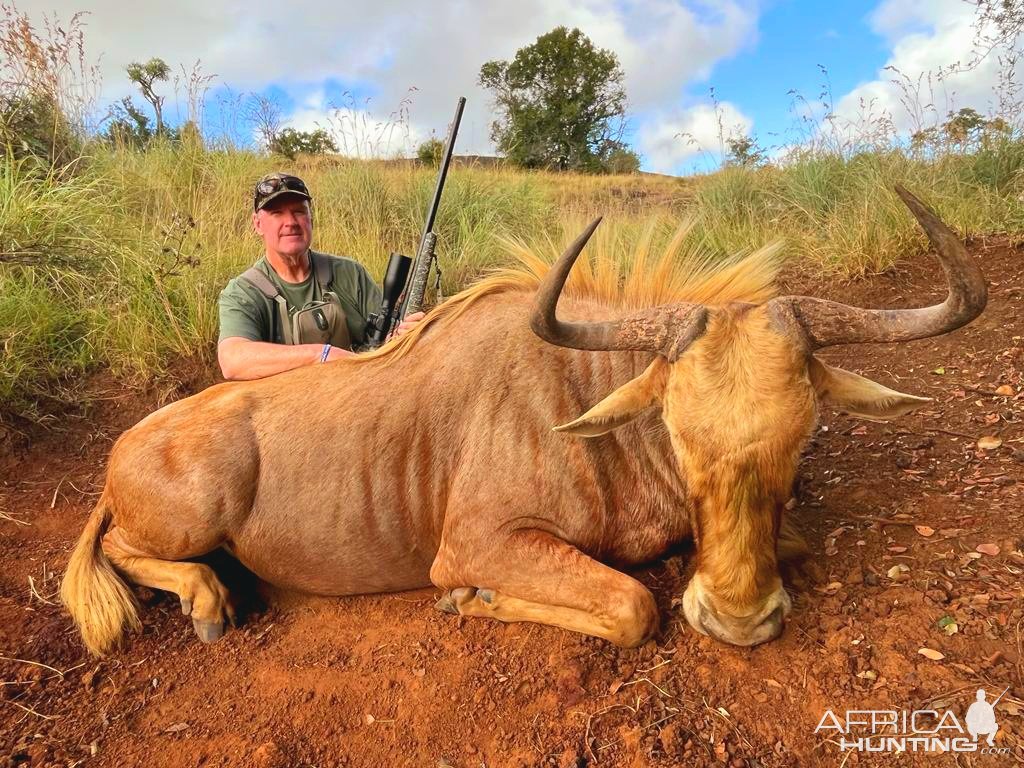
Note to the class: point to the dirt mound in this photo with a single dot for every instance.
(916, 535)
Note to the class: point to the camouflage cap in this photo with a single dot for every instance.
(276, 185)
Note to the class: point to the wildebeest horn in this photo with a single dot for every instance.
(666, 330)
(825, 323)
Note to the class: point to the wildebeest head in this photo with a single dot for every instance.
(739, 386)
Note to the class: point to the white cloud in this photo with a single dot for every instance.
(357, 132)
(926, 37)
(395, 45)
(671, 139)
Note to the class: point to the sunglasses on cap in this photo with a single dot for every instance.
(276, 185)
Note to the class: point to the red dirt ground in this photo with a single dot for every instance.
(389, 681)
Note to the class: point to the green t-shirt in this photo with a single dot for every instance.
(246, 312)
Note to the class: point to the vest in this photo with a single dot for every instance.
(319, 322)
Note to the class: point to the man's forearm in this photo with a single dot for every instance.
(241, 359)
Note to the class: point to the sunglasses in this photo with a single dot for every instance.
(290, 183)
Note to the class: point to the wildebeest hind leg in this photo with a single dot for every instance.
(535, 576)
(202, 595)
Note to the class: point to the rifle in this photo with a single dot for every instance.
(402, 295)
(1000, 697)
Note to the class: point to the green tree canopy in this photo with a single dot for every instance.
(291, 143)
(745, 152)
(431, 151)
(561, 103)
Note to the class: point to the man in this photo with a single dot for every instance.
(295, 306)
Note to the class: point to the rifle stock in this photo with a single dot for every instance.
(420, 273)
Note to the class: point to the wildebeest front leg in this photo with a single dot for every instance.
(791, 544)
(535, 576)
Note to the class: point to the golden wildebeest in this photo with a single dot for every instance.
(397, 470)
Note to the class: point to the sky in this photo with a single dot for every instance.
(383, 75)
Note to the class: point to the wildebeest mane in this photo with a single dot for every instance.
(682, 271)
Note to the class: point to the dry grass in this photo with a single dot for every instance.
(118, 260)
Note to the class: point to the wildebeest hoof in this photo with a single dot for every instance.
(446, 604)
(487, 595)
(208, 631)
(453, 598)
(186, 606)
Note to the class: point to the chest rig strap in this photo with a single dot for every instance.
(321, 272)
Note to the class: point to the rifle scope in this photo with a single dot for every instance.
(380, 324)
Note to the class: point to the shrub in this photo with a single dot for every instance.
(291, 143)
(430, 151)
(621, 159)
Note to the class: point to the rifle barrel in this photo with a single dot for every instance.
(445, 162)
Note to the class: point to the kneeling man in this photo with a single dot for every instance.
(294, 306)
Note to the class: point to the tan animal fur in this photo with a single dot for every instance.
(434, 461)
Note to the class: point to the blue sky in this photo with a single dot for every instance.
(385, 74)
(794, 38)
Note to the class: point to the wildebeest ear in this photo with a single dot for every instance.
(858, 396)
(623, 405)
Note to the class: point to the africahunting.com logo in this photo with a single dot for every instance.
(920, 730)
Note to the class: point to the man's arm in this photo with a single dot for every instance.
(244, 351)
(242, 359)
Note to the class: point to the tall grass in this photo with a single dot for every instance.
(117, 261)
(843, 216)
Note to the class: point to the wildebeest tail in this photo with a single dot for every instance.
(101, 603)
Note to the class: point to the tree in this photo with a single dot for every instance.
(291, 143)
(146, 76)
(618, 158)
(743, 151)
(964, 126)
(430, 151)
(264, 115)
(560, 100)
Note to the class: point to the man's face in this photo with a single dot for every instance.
(285, 225)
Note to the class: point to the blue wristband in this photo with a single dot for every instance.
(325, 353)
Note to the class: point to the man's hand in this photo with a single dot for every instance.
(408, 324)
